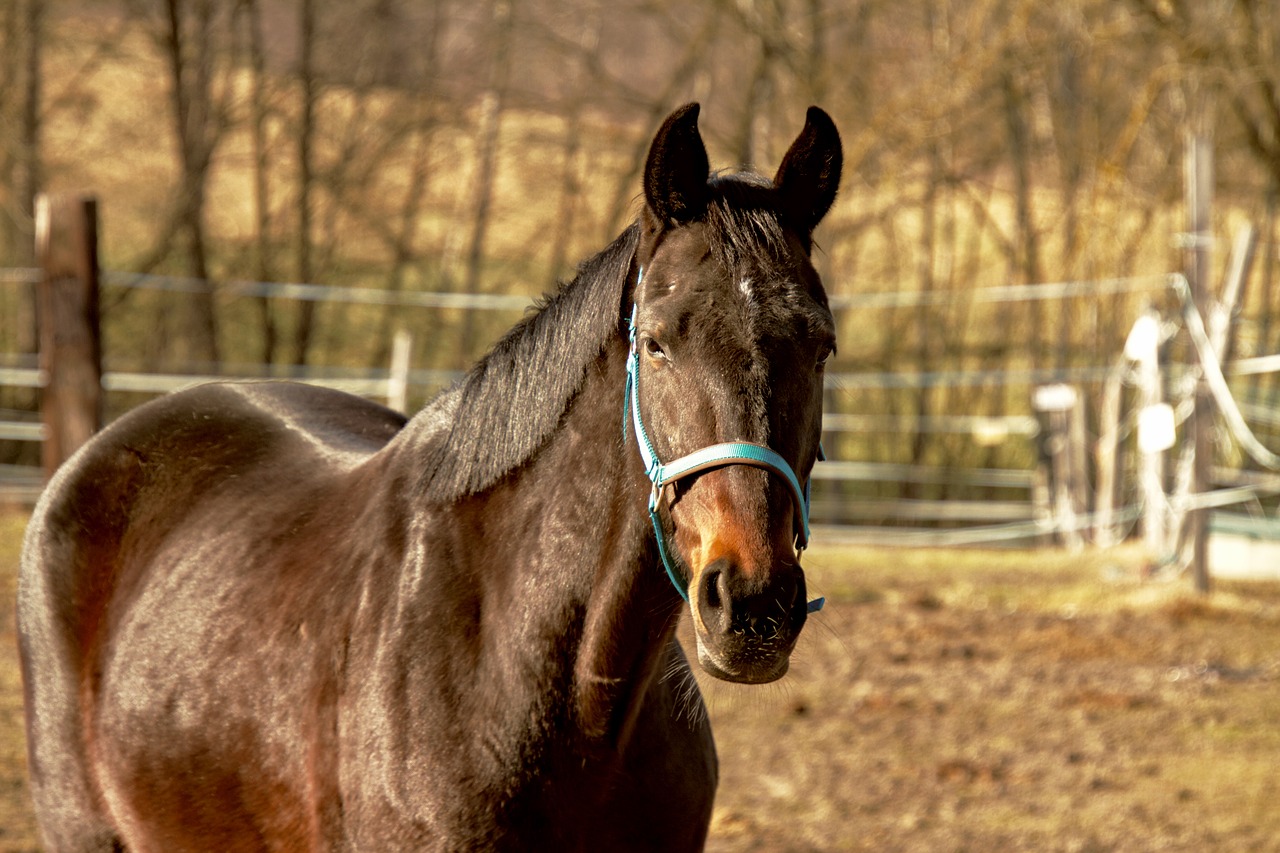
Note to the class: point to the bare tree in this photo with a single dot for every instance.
(987, 142)
(570, 185)
(492, 105)
(1233, 49)
(249, 13)
(21, 103)
(22, 28)
(306, 132)
(189, 42)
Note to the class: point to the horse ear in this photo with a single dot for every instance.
(675, 174)
(809, 176)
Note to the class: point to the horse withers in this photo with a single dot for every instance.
(267, 616)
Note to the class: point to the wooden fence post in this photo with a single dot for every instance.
(398, 375)
(1077, 470)
(1106, 457)
(1155, 436)
(67, 308)
(1198, 174)
(1063, 418)
(1219, 329)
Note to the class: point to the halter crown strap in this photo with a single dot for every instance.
(707, 458)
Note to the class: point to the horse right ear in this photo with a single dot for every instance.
(675, 174)
(809, 176)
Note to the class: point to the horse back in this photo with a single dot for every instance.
(168, 463)
(157, 522)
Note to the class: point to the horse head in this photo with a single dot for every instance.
(730, 333)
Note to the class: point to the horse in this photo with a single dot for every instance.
(272, 617)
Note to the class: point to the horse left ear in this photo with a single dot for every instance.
(675, 173)
(809, 176)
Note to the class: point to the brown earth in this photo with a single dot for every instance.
(968, 701)
(948, 701)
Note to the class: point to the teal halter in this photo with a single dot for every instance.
(713, 456)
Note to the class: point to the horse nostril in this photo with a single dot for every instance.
(715, 600)
(728, 604)
(712, 581)
(725, 596)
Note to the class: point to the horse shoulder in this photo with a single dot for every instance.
(166, 461)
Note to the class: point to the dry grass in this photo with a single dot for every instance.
(965, 700)
(1027, 701)
(17, 824)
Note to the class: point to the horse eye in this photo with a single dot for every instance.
(653, 349)
(823, 355)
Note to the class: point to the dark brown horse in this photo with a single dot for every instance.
(273, 617)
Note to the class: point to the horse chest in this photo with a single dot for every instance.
(544, 788)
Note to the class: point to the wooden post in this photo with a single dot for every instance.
(1041, 504)
(1106, 459)
(1155, 419)
(398, 375)
(1155, 430)
(1064, 444)
(1077, 469)
(1198, 175)
(67, 307)
(1218, 328)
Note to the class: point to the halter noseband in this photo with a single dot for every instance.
(713, 456)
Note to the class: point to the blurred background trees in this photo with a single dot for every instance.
(441, 145)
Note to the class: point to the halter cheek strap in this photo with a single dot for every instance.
(713, 456)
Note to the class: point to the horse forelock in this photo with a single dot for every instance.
(744, 223)
(766, 261)
(749, 235)
(513, 399)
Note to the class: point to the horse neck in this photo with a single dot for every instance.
(631, 608)
(559, 564)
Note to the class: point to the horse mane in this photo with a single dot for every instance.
(511, 401)
(743, 219)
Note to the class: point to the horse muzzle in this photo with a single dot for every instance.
(746, 628)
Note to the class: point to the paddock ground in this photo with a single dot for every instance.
(964, 700)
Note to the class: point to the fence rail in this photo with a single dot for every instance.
(989, 520)
(380, 383)
(1026, 521)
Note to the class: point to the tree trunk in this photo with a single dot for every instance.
(570, 185)
(1026, 243)
(29, 169)
(306, 178)
(190, 64)
(262, 271)
(492, 104)
(406, 235)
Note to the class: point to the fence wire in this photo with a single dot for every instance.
(373, 383)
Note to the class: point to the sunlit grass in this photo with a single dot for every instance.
(17, 825)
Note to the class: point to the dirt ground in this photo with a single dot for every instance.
(948, 701)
